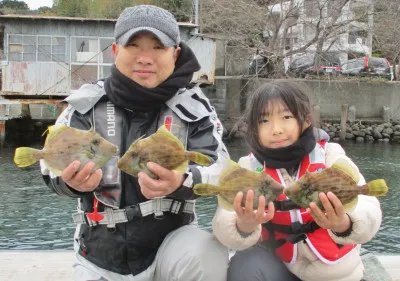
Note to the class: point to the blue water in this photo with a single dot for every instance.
(32, 217)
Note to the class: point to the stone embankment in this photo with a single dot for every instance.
(365, 131)
(359, 131)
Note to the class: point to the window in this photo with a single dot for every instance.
(91, 59)
(36, 48)
(358, 37)
(51, 48)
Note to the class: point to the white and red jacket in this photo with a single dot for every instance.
(319, 258)
(318, 240)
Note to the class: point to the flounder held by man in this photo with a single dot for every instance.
(63, 145)
(234, 179)
(162, 148)
(341, 179)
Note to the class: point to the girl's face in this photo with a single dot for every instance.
(278, 127)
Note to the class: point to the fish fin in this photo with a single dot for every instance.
(377, 187)
(229, 166)
(54, 130)
(224, 204)
(308, 168)
(264, 167)
(344, 165)
(182, 168)
(133, 143)
(198, 158)
(205, 189)
(164, 132)
(351, 205)
(45, 132)
(91, 126)
(26, 156)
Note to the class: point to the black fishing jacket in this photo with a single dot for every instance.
(130, 247)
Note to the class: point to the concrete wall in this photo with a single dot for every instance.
(229, 96)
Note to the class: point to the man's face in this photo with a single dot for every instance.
(145, 60)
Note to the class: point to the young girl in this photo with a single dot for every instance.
(284, 241)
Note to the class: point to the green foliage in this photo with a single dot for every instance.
(112, 8)
(45, 11)
(14, 7)
(181, 9)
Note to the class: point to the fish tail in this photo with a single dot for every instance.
(376, 188)
(26, 156)
(204, 189)
(198, 158)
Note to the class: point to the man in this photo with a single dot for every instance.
(146, 231)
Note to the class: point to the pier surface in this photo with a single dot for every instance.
(57, 265)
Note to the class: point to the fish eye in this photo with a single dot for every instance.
(95, 141)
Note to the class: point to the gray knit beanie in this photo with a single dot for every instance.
(150, 18)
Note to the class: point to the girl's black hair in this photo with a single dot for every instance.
(291, 93)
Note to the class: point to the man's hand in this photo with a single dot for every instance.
(247, 218)
(84, 180)
(334, 217)
(168, 181)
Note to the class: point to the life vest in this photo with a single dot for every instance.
(299, 222)
(106, 119)
(113, 244)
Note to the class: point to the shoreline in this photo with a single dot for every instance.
(358, 131)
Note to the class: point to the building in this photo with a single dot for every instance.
(349, 36)
(44, 59)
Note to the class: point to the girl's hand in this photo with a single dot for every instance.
(247, 218)
(334, 217)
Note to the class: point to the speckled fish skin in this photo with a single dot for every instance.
(64, 145)
(162, 148)
(307, 188)
(234, 179)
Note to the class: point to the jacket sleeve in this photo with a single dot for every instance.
(225, 229)
(366, 216)
(204, 136)
(70, 118)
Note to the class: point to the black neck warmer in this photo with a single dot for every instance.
(290, 156)
(126, 93)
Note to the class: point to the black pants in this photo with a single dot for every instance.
(258, 263)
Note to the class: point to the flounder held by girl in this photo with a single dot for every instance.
(162, 148)
(64, 145)
(341, 179)
(234, 179)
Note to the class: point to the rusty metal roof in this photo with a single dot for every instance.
(60, 18)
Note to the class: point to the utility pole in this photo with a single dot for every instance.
(196, 15)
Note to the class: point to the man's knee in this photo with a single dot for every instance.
(192, 254)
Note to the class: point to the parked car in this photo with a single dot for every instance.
(329, 63)
(366, 66)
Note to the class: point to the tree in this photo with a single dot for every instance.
(281, 29)
(181, 9)
(386, 33)
(112, 8)
(13, 7)
(45, 11)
